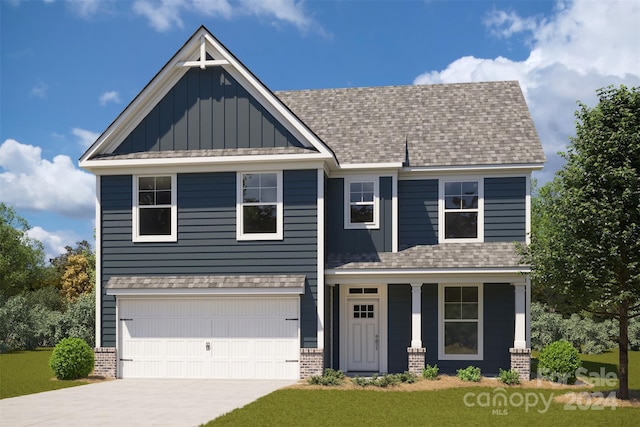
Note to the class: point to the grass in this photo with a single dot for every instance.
(28, 372)
(532, 406)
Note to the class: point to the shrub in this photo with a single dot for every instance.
(330, 377)
(430, 372)
(407, 377)
(634, 334)
(509, 377)
(384, 380)
(17, 325)
(72, 358)
(558, 362)
(470, 373)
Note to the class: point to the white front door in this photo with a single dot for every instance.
(363, 335)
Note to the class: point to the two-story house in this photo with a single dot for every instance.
(245, 233)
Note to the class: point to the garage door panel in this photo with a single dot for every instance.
(248, 337)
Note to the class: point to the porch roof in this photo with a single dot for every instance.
(446, 256)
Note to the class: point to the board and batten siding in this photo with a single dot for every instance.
(417, 212)
(341, 240)
(207, 109)
(505, 209)
(207, 242)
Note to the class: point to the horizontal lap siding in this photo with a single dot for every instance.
(499, 321)
(341, 240)
(207, 242)
(504, 209)
(418, 212)
(207, 109)
(399, 327)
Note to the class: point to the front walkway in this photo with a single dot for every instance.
(135, 403)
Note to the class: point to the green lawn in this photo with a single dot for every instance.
(331, 407)
(27, 372)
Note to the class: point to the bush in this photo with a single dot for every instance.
(72, 358)
(430, 372)
(558, 362)
(470, 373)
(330, 377)
(18, 325)
(634, 334)
(509, 377)
(385, 380)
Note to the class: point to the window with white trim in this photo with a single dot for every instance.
(461, 211)
(259, 206)
(361, 202)
(460, 322)
(154, 208)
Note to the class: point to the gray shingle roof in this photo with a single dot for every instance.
(205, 282)
(449, 124)
(208, 153)
(442, 256)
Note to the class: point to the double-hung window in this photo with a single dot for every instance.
(361, 203)
(461, 211)
(259, 206)
(460, 322)
(154, 208)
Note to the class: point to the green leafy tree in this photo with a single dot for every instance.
(586, 250)
(21, 258)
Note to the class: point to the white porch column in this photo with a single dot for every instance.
(416, 315)
(520, 336)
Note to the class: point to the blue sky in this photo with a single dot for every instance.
(68, 68)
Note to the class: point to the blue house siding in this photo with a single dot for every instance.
(399, 327)
(207, 242)
(499, 324)
(207, 109)
(505, 209)
(418, 212)
(341, 240)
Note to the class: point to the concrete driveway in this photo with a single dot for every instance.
(135, 403)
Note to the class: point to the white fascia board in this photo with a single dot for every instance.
(510, 275)
(204, 164)
(205, 291)
(360, 167)
(498, 170)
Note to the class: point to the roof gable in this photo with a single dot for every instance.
(201, 52)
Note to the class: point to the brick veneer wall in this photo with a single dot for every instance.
(521, 362)
(311, 362)
(417, 358)
(105, 362)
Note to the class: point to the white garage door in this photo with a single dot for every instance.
(234, 338)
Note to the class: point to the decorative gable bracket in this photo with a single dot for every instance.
(203, 62)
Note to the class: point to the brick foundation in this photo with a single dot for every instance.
(521, 362)
(105, 362)
(417, 358)
(311, 362)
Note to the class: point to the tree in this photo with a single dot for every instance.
(587, 247)
(76, 270)
(21, 258)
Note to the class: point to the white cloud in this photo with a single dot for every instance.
(30, 182)
(39, 90)
(54, 242)
(161, 15)
(583, 46)
(110, 96)
(165, 14)
(86, 137)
